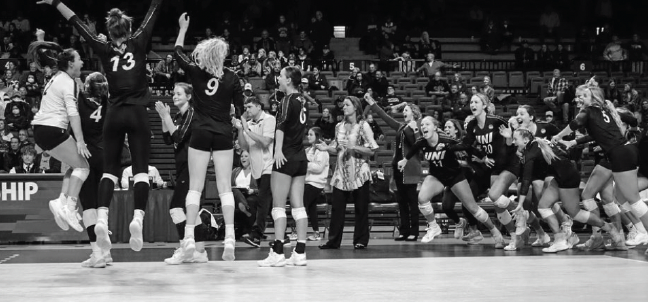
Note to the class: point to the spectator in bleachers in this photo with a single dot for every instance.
(432, 66)
(461, 109)
(234, 47)
(5, 47)
(74, 42)
(490, 38)
(270, 60)
(274, 106)
(358, 86)
(252, 68)
(642, 114)
(6, 134)
(12, 157)
(550, 23)
(328, 59)
(303, 42)
(555, 95)
(23, 137)
(437, 87)
(561, 57)
(613, 94)
(164, 73)
(317, 81)
(283, 60)
(16, 119)
(261, 55)
(371, 74)
(389, 28)
(26, 165)
(292, 62)
(614, 52)
(458, 80)
(321, 32)
(377, 132)
(380, 84)
(33, 91)
(636, 51)
(338, 111)
(282, 25)
(488, 89)
(235, 66)
(283, 44)
(549, 117)
(46, 163)
(248, 92)
(454, 95)
(309, 95)
(385, 53)
(272, 80)
(405, 62)
(544, 58)
(524, 56)
(326, 123)
(245, 191)
(208, 34)
(304, 60)
(426, 46)
(630, 97)
(507, 34)
(246, 31)
(33, 70)
(245, 55)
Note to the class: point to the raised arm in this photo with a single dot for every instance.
(146, 28)
(391, 122)
(69, 15)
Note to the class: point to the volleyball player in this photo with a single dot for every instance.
(58, 111)
(289, 171)
(444, 171)
(124, 61)
(216, 89)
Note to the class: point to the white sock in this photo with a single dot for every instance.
(189, 231)
(640, 227)
(102, 215)
(96, 250)
(62, 197)
(138, 214)
(72, 201)
(229, 230)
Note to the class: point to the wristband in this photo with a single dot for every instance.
(55, 3)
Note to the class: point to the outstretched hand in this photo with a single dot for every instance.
(183, 21)
(369, 99)
(505, 131)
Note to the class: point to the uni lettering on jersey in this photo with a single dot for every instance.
(484, 139)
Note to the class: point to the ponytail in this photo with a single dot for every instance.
(598, 100)
(44, 53)
(118, 24)
(543, 144)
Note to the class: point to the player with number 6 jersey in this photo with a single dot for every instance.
(124, 61)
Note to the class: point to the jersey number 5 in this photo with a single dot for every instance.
(606, 118)
(96, 115)
(130, 62)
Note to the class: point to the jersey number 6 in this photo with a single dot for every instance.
(130, 62)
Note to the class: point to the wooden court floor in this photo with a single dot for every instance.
(445, 270)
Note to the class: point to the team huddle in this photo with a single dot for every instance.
(491, 156)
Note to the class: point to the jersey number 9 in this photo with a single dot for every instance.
(212, 86)
(130, 62)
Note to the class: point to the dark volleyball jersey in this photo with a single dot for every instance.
(125, 66)
(533, 158)
(442, 157)
(600, 126)
(488, 141)
(92, 112)
(291, 119)
(180, 138)
(213, 96)
(546, 130)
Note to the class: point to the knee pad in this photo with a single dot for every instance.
(481, 215)
(626, 207)
(505, 217)
(193, 198)
(639, 209)
(278, 213)
(140, 177)
(81, 173)
(113, 178)
(177, 215)
(611, 209)
(227, 199)
(89, 217)
(299, 213)
(546, 213)
(426, 208)
(502, 202)
(582, 216)
(590, 204)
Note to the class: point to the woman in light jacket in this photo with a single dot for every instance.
(316, 176)
(245, 191)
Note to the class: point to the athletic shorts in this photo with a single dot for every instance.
(623, 158)
(208, 141)
(605, 163)
(513, 166)
(567, 175)
(292, 168)
(449, 179)
(48, 137)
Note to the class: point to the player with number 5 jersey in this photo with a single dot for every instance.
(124, 61)
(216, 88)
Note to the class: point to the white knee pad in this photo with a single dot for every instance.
(502, 202)
(505, 217)
(89, 217)
(299, 213)
(111, 177)
(193, 198)
(81, 173)
(140, 177)
(545, 213)
(227, 199)
(481, 215)
(590, 204)
(426, 208)
(611, 209)
(639, 209)
(582, 216)
(278, 213)
(177, 215)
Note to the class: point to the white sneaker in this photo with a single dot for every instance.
(566, 226)
(595, 242)
(273, 260)
(618, 239)
(228, 251)
(103, 240)
(631, 236)
(292, 236)
(521, 222)
(296, 259)
(314, 237)
(500, 243)
(107, 257)
(58, 210)
(94, 262)
(473, 237)
(72, 217)
(459, 228)
(638, 239)
(512, 246)
(573, 240)
(136, 240)
(560, 244)
(433, 230)
(199, 257)
(188, 248)
(177, 258)
(542, 241)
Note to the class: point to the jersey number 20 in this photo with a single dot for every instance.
(130, 62)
